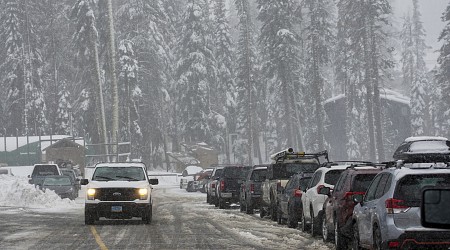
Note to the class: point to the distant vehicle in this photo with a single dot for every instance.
(61, 185)
(285, 164)
(211, 186)
(250, 195)
(338, 207)
(119, 191)
(290, 205)
(73, 178)
(229, 184)
(203, 179)
(6, 171)
(423, 149)
(183, 183)
(42, 170)
(389, 215)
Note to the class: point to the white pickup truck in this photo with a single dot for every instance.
(118, 191)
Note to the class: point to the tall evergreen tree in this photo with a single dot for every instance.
(64, 112)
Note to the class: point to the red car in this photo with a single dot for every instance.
(339, 206)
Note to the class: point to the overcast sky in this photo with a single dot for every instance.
(431, 11)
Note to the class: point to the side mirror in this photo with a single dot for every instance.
(153, 181)
(325, 191)
(358, 198)
(434, 202)
(84, 181)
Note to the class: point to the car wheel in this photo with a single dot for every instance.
(216, 201)
(355, 238)
(241, 207)
(249, 208)
(208, 199)
(262, 212)
(221, 204)
(291, 222)
(338, 237)
(279, 215)
(325, 233)
(147, 217)
(305, 226)
(89, 217)
(376, 238)
(315, 223)
(273, 212)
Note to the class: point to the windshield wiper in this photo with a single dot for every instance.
(104, 177)
(127, 177)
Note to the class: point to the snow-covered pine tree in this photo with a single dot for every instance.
(280, 48)
(63, 112)
(407, 53)
(319, 43)
(196, 67)
(443, 74)
(224, 96)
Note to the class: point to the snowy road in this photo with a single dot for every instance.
(181, 220)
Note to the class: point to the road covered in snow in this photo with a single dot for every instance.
(32, 219)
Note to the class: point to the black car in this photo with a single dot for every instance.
(61, 185)
(229, 184)
(250, 196)
(423, 149)
(290, 201)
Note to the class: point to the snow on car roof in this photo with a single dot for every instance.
(425, 138)
(429, 147)
(120, 164)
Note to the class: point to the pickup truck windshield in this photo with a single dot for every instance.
(118, 173)
(286, 170)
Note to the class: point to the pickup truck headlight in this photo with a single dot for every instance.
(91, 194)
(143, 193)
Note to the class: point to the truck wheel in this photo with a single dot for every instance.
(148, 214)
(221, 204)
(273, 213)
(262, 212)
(249, 208)
(291, 222)
(316, 222)
(89, 217)
(208, 199)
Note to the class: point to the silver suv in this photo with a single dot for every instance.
(388, 216)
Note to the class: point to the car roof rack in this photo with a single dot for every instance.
(289, 154)
(420, 165)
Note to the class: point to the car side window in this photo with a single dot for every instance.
(341, 182)
(371, 191)
(381, 188)
(315, 179)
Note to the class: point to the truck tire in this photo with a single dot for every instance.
(221, 204)
(273, 212)
(148, 214)
(89, 217)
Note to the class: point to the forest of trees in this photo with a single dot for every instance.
(160, 73)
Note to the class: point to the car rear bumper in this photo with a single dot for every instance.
(421, 240)
(229, 196)
(128, 209)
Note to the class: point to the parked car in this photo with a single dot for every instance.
(250, 196)
(290, 206)
(388, 215)
(229, 184)
(6, 171)
(313, 199)
(423, 149)
(203, 179)
(183, 183)
(338, 207)
(40, 171)
(285, 164)
(211, 186)
(62, 185)
(73, 177)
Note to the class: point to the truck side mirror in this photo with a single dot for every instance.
(325, 191)
(153, 181)
(84, 181)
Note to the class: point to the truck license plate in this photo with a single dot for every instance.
(116, 209)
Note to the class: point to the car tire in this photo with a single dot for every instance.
(377, 245)
(221, 204)
(279, 216)
(148, 214)
(262, 212)
(305, 226)
(208, 199)
(241, 207)
(89, 217)
(249, 208)
(326, 236)
(315, 223)
(291, 222)
(273, 212)
(338, 237)
(355, 238)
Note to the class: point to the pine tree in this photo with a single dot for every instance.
(63, 112)
(280, 42)
(443, 74)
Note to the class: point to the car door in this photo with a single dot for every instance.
(287, 193)
(363, 213)
(310, 192)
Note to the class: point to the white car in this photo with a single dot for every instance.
(118, 191)
(313, 200)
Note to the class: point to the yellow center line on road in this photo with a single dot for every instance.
(98, 239)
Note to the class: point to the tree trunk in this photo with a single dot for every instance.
(115, 92)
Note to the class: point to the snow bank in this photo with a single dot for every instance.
(16, 192)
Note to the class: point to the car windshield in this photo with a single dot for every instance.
(409, 188)
(118, 173)
(53, 181)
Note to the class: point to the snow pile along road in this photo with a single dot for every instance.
(15, 191)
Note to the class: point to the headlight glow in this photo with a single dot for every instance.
(143, 191)
(91, 192)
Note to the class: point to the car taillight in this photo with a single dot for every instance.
(298, 193)
(213, 185)
(394, 244)
(319, 188)
(394, 206)
(252, 188)
(222, 185)
(349, 195)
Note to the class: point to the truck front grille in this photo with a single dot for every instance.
(117, 194)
